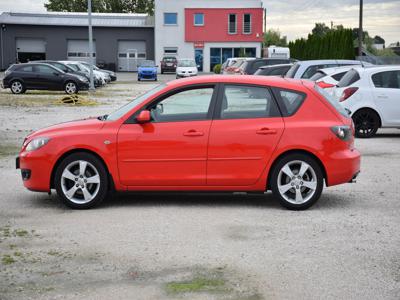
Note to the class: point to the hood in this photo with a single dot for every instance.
(59, 129)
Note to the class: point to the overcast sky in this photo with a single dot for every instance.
(296, 18)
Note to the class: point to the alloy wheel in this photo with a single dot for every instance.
(70, 88)
(365, 123)
(80, 182)
(297, 182)
(16, 87)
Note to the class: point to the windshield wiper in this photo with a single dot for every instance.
(102, 118)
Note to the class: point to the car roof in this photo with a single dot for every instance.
(375, 68)
(288, 83)
(325, 61)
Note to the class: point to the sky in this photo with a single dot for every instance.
(296, 18)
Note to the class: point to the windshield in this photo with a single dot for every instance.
(238, 63)
(169, 59)
(332, 100)
(186, 63)
(349, 78)
(126, 108)
(147, 63)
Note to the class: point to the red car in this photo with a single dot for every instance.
(209, 133)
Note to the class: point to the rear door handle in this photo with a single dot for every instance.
(193, 132)
(266, 131)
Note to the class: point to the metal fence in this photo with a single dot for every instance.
(380, 60)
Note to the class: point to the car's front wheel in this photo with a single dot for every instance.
(366, 123)
(17, 87)
(297, 181)
(70, 88)
(81, 181)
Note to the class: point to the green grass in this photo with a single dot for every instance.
(196, 285)
(7, 259)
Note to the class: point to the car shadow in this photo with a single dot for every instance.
(169, 199)
(386, 135)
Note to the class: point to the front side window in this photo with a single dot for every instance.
(44, 70)
(170, 19)
(187, 105)
(199, 19)
(245, 102)
(290, 101)
(232, 24)
(388, 80)
(247, 23)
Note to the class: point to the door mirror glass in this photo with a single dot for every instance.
(143, 117)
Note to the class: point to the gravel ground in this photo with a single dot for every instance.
(195, 246)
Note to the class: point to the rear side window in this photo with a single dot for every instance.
(388, 79)
(279, 71)
(349, 78)
(332, 100)
(25, 69)
(246, 102)
(292, 71)
(289, 101)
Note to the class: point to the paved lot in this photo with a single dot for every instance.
(191, 246)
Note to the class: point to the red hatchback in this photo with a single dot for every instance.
(209, 133)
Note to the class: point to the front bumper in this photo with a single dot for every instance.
(35, 169)
(147, 75)
(181, 75)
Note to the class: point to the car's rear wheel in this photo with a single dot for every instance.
(297, 180)
(71, 87)
(17, 87)
(366, 123)
(81, 181)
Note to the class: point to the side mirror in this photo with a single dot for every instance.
(143, 117)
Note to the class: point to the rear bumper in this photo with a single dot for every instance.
(168, 69)
(343, 167)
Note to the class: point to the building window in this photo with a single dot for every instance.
(232, 24)
(171, 50)
(247, 23)
(199, 19)
(170, 19)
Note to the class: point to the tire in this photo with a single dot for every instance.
(70, 88)
(162, 72)
(297, 192)
(155, 79)
(74, 187)
(366, 123)
(17, 87)
(139, 79)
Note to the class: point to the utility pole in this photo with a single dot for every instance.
(91, 87)
(360, 30)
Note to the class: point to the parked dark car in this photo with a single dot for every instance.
(168, 64)
(39, 76)
(62, 67)
(275, 70)
(249, 67)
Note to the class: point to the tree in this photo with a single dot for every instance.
(320, 29)
(273, 38)
(102, 6)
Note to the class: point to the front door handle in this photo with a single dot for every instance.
(266, 131)
(193, 132)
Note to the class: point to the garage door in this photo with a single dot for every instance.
(130, 53)
(79, 50)
(29, 49)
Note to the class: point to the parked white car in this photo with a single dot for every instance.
(186, 68)
(371, 95)
(307, 68)
(99, 77)
(328, 78)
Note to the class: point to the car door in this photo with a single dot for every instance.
(386, 93)
(246, 128)
(171, 150)
(27, 74)
(48, 77)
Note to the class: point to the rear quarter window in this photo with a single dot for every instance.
(289, 101)
(349, 78)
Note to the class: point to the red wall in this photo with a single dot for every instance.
(215, 27)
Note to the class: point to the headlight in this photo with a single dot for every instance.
(37, 143)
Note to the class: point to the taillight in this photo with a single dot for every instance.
(325, 85)
(348, 93)
(343, 132)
